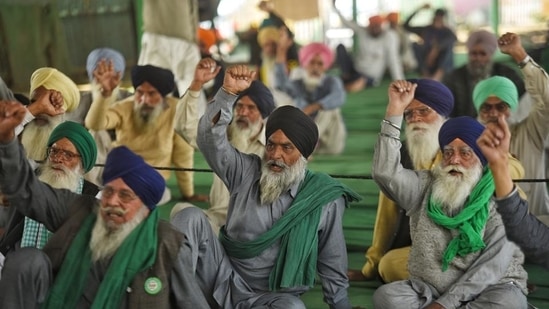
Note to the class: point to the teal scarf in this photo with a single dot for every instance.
(297, 231)
(137, 252)
(470, 221)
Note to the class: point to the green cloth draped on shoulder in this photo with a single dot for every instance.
(137, 253)
(297, 230)
(469, 222)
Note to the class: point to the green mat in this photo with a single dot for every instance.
(362, 112)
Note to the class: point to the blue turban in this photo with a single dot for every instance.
(98, 54)
(80, 138)
(161, 79)
(466, 129)
(143, 179)
(435, 95)
(497, 86)
(296, 125)
(261, 96)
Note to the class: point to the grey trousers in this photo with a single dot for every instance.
(26, 279)
(412, 294)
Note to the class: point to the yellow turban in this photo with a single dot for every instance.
(52, 79)
(267, 34)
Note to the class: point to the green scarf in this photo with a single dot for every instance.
(470, 221)
(297, 231)
(137, 252)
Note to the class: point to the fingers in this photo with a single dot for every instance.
(240, 72)
(402, 86)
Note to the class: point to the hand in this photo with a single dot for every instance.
(311, 108)
(401, 93)
(106, 77)
(238, 78)
(206, 70)
(265, 6)
(50, 103)
(12, 114)
(494, 141)
(510, 44)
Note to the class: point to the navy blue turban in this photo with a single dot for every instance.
(109, 54)
(296, 125)
(261, 96)
(466, 129)
(145, 181)
(161, 79)
(435, 95)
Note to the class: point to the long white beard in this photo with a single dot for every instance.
(273, 184)
(107, 238)
(35, 138)
(240, 137)
(422, 144)
(452, 191)
(65, 179)
(144, 120)
(311, 82)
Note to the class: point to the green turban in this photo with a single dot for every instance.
(497, 86)
(80, 138)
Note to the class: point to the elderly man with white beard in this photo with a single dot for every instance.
(108, 253)
(284, 221)
(460, 255)
(145, 122)
(317, 94)
(246, 133)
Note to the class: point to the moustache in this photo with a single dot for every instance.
(276, 163)
(111, 210)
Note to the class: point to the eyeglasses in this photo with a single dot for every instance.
(124, 195)
(64, 154)
(466, 153)
(421, 112)
(500, 107)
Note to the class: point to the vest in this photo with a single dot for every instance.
(169, 242)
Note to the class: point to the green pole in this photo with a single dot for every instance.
(139, 22)
(355, 16)
(494, 17)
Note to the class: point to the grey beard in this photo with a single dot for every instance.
(241, 138)
(68, 179)
(422, 145)
(106, 238)
(272, 185)
(311, 82)
(144, 121)
(479, 73)
(35, 138)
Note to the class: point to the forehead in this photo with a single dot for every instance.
(493, 100)
(146, 87)
(246, 101)
(118, 184)
(416, 104)
(278, 137)
(65, 144)
(317, 59)
(456, 143)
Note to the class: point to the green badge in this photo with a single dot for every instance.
(153, 285)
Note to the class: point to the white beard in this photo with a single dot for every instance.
(422, 144)
(452, 191)
(311, 82)
(146, 120)
(106, 238)
(241, 138)
(273, 184)
(66, 179)
(35, 138)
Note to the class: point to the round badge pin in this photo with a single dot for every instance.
(153, 285)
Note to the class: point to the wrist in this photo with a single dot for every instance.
(522, 63)
(229, 90)
(196, 85)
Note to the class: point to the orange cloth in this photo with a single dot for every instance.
(376, 20)
(392, 17)
(207, 37)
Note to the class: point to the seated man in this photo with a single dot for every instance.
(460, 255)
(522, 227)
(284, 222)
(317, 94)
(112, 253)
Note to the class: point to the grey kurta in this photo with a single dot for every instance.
(247, 218)
(53, 206)
(499, 262)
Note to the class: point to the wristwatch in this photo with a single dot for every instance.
(524, 61)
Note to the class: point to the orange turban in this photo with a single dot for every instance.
(376, 20)
(207, 37)
(392, 17)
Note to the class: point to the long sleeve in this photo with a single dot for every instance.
(394, 61)
(186, 117)
(525, 229)
(28, 118)
(100, 117)
(351, 24)
(416, 30)
(537, 85)
(336, 96)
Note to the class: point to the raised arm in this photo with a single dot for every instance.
(98, 117)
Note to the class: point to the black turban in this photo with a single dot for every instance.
(298, 127)
(261, 96)
(161, 79)
(435, 95)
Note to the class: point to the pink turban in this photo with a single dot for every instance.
(307, 52)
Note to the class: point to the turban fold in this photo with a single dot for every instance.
(143, 179)
(52, 79)
(375, 20)
(298, 127)
(307, 52)
(485, 38)
(497, 86)
(109, 54)
(267, 34)
(261, 96)
(466, 129)
(435, 95)
(80, 138)
(159, 78)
